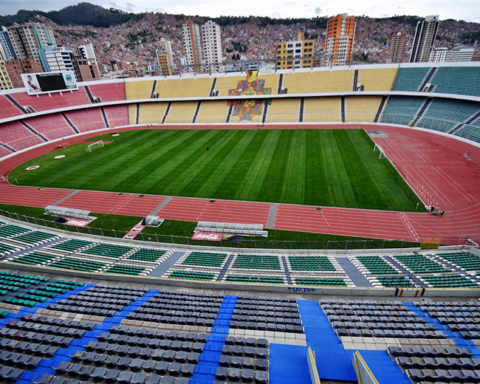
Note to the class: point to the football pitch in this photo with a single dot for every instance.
(314, 167)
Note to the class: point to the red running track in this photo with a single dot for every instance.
(433, 165)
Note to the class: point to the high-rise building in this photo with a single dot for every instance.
(424, 39)
(295, 54)
(85, 64)
(27, 39)
(438, 55)
(460, 54)
(165, 57)
(397, 47)
(7, 49)
(55, 59)
(5, 82)
(193, 46)
(15, 68)
(212, 46)
(339, 43)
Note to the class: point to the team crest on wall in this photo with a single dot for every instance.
(248, 109)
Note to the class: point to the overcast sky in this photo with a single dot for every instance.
(456, 9)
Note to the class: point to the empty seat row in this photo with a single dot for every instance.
(470, 335)
(10, 374)
(366, 307)
(448, 304)
(246, 341)
(20, 359)
(61, 322)
(437, 362)
(429, 351)
(135, 352)
(238, 350)
(83, 310)
(439, 375)
(272, 327)
(176, 345)
(381, 325)
(158, 334)
(243, 362)
(102, 295)
(194, 311)
(245, 375)
(392, 333)
(24, 346)
(459, 312)
(112, 375)
(386, 319)
(172, 319)
(123, 364)
(268, 319)
(42, 338)
(45, 328)
(458, 320)
(465, 327)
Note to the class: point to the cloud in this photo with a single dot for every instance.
(318, 10)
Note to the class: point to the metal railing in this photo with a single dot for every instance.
(148, 235)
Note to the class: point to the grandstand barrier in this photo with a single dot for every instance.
(312, 366)
(364, 374)
(260, 245)
(240, 287)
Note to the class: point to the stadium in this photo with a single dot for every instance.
(345, 202)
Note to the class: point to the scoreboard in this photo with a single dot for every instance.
(48, 82)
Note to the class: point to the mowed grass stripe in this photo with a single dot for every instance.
(203, 165)
(152, 169)
(360, 179)
(174, 169)
(316, 187)
(71, 169)
(251, 187)
(210, 180)
(315, 167)
(294, 182)
(274, 179)
(113, 175)
(239, 173)
(339, 188)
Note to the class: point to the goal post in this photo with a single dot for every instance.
(379, 149)
(95, 145)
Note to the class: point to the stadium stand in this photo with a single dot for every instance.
(212, 112)
(409, 79)
(87, 119)
(318, 82)
(16, 136)
(205, 259)
(449, 281)
(284, 110)
(116, 115)
(35, 258)
(464, 260)
(443, 115)
(193, 87)
(132, 114)
(471, 131)
(402, 110)
(51, 126)
(4, 151)
(362, 108)
(182, 112)
(111, 91)
(152, 113)
(138, 89)
(55, 100)
(457, 80)
(7, 108)
(420, 264)
(322, 109)
(310, 263)
(225, 84)
(378, 79)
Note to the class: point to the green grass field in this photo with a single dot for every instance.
(315, 167)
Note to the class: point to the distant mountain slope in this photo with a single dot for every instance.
(80, 14)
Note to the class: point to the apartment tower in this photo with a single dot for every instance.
(193, 46)
(339, 44)
(397, 47)
(424, 39)
(295, 54)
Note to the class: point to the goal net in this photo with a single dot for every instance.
(379, 149)
(95, 145)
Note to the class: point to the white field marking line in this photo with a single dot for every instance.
(416, 151)
(409, 226)
(431, 185)
(392, 152)
(413, 221)
(125, 203)
(324, 218)
(454, 183)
